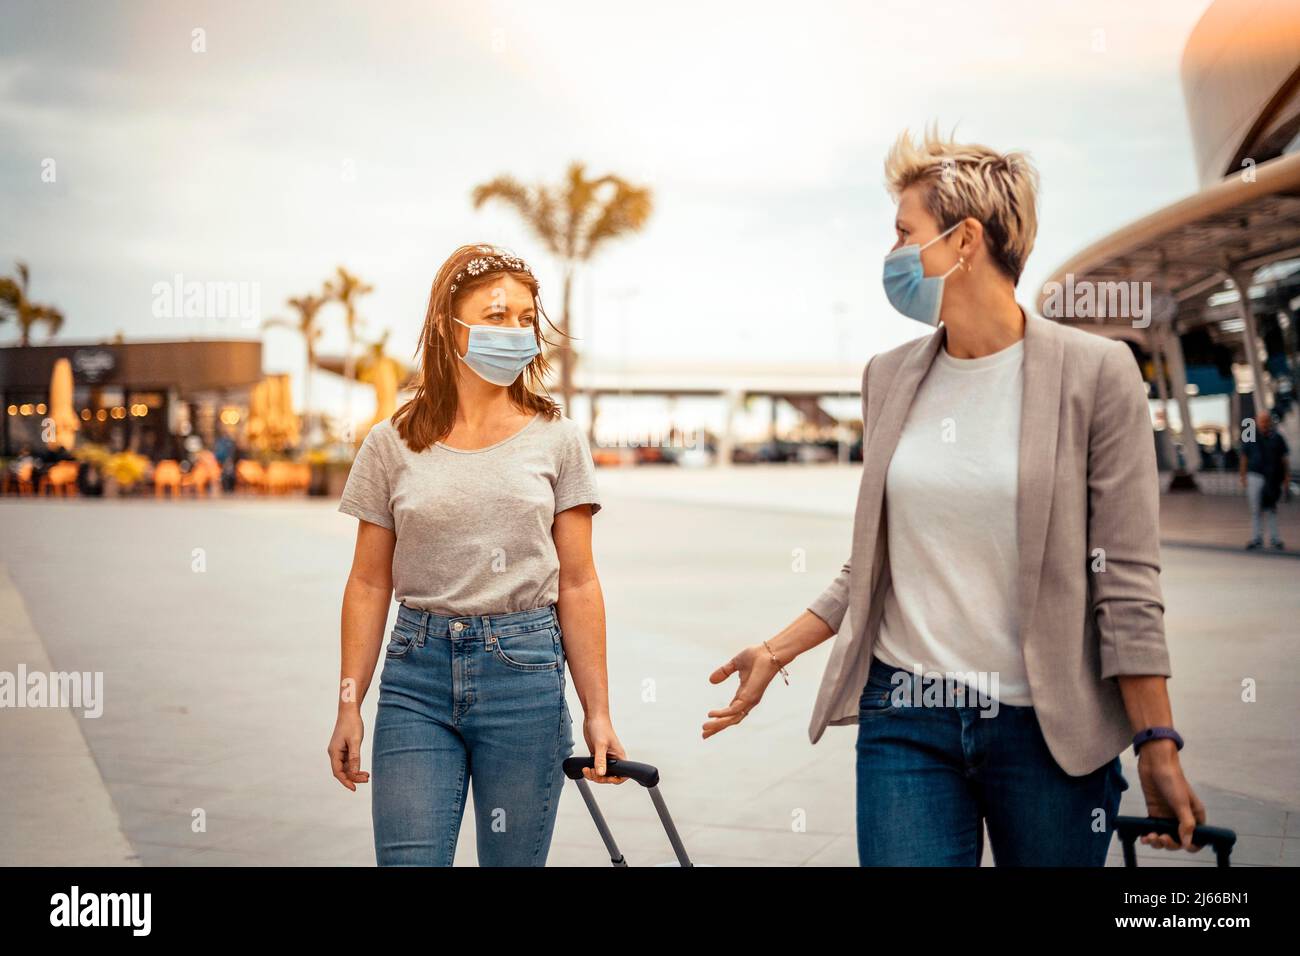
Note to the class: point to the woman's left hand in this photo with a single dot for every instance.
(601, 742)
(1168, 795)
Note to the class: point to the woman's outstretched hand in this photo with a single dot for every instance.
(756, 669)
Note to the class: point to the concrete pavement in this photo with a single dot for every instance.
(216, 626)
(56, 809)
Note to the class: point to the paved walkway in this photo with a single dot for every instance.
(54, 807)
(1219, 520)
(1222, 521)
(220, 686)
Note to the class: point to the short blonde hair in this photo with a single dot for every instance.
(962, 179)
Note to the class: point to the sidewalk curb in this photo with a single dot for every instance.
(58, 812)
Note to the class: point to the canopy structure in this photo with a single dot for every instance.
(1215, 241)
(1209, 287)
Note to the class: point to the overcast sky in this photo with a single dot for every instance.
(311, 134)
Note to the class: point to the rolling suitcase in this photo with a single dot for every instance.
(1131, 828)
(642, 773)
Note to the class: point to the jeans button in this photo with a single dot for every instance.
(458, 626)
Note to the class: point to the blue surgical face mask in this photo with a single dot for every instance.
(909, 289)
(498, 355)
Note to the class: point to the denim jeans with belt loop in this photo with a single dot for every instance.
(930, 777)
(475, 703)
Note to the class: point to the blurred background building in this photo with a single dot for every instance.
(1222, 266)
(764, 367)
(144, 397)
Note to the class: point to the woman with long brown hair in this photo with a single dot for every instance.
(475, 503)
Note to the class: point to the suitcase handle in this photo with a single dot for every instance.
(1130, 828)
(642, 773)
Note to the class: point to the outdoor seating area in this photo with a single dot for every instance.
(61, 479)
(125, 474)
(276, 478)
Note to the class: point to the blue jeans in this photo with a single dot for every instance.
(469, 700)
(1255, 494)
(929, 777)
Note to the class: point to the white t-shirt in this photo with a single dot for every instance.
(950, 499)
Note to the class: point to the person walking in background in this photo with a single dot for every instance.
(475, 503)
(1265, 474)
(227, 454)
(1005, 539)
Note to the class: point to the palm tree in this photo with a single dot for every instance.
(375, 354)
(346, 289)
(306, 306)
(573, 220)
(14, 304)
(385, 374)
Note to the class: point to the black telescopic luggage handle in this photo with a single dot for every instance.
(644, 774)
(1131, 828)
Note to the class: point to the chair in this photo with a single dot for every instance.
(204, 474)
(167, 476)
(250, 474)
(61, 479)
(279, 477)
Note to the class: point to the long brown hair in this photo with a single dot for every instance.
(430, 414)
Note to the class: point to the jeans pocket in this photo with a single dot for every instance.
(536, 649)
(876, 700)
(400, 641)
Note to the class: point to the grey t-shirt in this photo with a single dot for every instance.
(473, 527)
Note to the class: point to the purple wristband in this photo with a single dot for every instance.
(1157, 733)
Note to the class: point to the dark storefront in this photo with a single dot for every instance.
(144, 397)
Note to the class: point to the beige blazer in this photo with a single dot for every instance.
(1088, 497)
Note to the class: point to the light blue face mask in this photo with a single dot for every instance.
(909, 289)
(498, 355)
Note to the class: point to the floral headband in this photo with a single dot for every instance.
(478, 266)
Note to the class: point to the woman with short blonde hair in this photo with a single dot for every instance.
(959, 181)
(999, 623)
